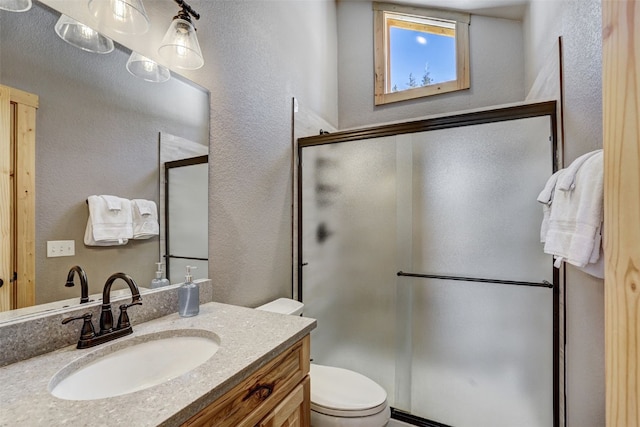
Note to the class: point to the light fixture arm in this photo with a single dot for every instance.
(186, 12)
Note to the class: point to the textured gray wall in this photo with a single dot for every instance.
(96, 133)
(497, 69)
(258, 55)
(579, 24)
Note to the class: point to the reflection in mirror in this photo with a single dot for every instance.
(97, 133)
(184, 184)
(186, 213)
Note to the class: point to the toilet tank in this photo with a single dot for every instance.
(283, 306)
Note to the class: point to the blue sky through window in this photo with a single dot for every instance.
(411, 51)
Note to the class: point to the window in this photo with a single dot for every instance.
(419, 52)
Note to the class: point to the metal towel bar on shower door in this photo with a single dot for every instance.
(543, 284)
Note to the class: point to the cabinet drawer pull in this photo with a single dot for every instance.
(260, 392)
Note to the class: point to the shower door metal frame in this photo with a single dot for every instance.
(500, 114)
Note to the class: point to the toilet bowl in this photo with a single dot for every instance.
(344, 398)
(339, 397)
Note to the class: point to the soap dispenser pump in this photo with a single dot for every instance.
(188, 296)
(159, 281)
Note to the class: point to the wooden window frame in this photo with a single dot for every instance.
(382, 83)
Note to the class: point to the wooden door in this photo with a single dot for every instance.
(17, 198)
(621, 128)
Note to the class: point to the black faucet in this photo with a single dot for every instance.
(84, 283)
(106, 317)
(88, 337)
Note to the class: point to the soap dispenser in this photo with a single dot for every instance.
(159, 281)
(188, 296)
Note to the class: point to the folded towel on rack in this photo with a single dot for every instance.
(114, 203)
(566, 182)
(596, 268)
(546, 197)
(575, 218)
(105, 226)
(145, 219)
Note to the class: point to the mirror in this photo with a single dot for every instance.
(97, 132)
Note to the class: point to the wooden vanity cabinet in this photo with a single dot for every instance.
(293, 411)
(276, 395)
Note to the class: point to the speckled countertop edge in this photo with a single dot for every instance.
(45, 334)
(248, 339)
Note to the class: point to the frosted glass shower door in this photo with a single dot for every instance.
(349, 212)
(482, 353)
(380, 214)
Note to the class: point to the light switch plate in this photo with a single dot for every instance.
(56, 248)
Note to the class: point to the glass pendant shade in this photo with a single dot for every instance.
(81, 36)
(180, 47)
(122, 16)
(147, 69)
(15, 5)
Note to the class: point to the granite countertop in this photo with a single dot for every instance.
(248, 340)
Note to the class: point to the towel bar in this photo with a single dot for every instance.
(543, 284)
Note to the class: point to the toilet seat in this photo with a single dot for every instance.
(348, 414)
(343, 393)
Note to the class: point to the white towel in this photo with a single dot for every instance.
(114, 203)
(566, 182)
(596, 268)
(546, 197)
(108, 227)
(575, 220)
(145, 219)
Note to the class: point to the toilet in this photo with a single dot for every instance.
(339, 397)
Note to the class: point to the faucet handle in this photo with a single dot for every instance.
(87, 327)
(123, 320)
(125, 306)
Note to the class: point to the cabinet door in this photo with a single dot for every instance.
(293, 411)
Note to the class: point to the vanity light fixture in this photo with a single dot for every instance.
(15, 5)
(79, 35)
(147, 69)
(180, 47)
(122, 16)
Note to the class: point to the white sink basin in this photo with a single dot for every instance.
(133, 365)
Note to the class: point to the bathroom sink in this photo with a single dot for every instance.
(135, 364)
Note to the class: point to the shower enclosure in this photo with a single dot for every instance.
(419, 253)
